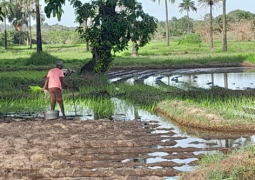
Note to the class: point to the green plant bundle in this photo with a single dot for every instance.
(35, 89)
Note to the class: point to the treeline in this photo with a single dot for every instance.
(240, 26)
(51, 34)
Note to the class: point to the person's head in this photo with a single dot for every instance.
(60, 64)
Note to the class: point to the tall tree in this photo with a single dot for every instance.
(38, 27)
(167, 23)
(7, 7)
(28, 11)
(211, 4)
(111, 30)
(224, 31)
(187, 5)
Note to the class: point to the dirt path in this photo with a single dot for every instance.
(91, 149)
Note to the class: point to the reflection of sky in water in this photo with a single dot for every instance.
(151, 81)
(233, 81)
(200, 77)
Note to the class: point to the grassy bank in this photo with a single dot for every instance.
(238, 165)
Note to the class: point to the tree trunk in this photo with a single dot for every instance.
(224, 31)
(5, 34)
(85, 27)
(38, 28)
(19, 38)
(134, 49)
(27, 39)
(30, 32)
(101, 60)
(188, 21)
(167, 26)
(211, 29)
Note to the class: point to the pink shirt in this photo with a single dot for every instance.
(54, 78)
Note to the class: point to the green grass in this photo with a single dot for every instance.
(238, 165)
(156, 52)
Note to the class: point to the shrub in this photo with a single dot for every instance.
(41, 59)
(190, 39)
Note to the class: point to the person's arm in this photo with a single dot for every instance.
(45, 84)
(63, 81)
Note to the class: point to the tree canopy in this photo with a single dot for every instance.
(114, 24)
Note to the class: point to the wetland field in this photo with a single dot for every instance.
(165, 114)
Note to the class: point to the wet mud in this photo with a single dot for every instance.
(91, 149)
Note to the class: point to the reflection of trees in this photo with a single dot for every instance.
(232, 143)
(191, 78)
(226, 80)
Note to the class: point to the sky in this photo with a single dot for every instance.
(158, 10)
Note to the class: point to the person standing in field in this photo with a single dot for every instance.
(53, 82)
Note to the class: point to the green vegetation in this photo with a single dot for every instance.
(20, 94)
(213, 109)
(225, 104)
(155, 53)
(238, 165)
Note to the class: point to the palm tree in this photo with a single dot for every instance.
(38, 27)
(7, 7)
(187, 5)
(224, 31)
(28, 10)
(167, 26)
(210, 4)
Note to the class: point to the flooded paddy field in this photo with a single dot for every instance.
(235, 78)
(134, 145)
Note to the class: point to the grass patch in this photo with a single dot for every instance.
(215, 109)
(153, 54)
(236, 166)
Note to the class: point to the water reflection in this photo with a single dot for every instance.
(230, 78)
(234, 81)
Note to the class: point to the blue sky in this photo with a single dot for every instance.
(158, 10)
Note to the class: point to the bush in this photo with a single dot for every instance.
(41, 59)
(190, 39)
